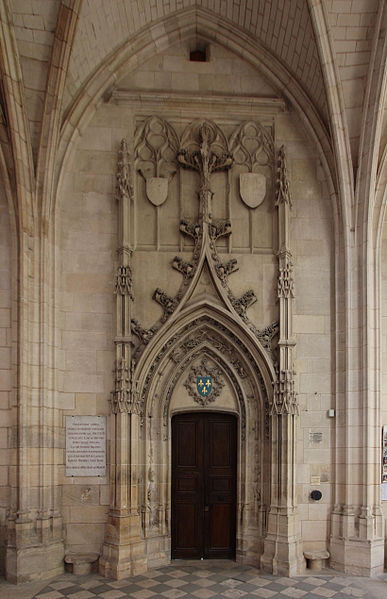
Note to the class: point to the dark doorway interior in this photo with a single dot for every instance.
(204, 454)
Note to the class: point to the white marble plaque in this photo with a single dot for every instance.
(85, 445)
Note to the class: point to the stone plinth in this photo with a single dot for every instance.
(315, 559)
(82, 563)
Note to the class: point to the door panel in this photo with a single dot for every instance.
(187, 490)
(203, 485)
(220, 485)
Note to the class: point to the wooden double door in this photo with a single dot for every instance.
(204, 458)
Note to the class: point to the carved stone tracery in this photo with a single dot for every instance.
(284, 397)
(123, 283)
(285, 287)
(155, 157)
(252, 145)
(125, 397)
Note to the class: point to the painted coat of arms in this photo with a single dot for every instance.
(204, 383)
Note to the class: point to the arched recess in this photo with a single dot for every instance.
(192, 22)
(204, 333)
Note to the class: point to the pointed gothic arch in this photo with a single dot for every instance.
(205, 333)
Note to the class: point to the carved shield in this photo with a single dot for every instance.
(252, 187)
(157, 190)
(204, 385)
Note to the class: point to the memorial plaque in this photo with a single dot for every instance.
(85, 446)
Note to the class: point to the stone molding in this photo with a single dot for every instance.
(124, 176)
(282, 192)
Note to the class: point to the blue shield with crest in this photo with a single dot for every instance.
(204, 385)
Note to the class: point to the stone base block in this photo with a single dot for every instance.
(357, 557)
(315, 559)
(34, 563)
(120, 561)
(82, 563)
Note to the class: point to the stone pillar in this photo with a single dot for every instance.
(35, 544)
(282, 546)
(123, 548)
(357, 526)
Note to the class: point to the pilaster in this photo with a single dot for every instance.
(282, 547)
(35, 544)
(123, 551)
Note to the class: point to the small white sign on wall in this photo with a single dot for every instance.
(85, 445)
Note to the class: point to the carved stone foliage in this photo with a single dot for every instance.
(204, 369)
(168, 304)
(282, 191)
(224, 269)
(241, 304)
(123, 281)
(214, 341)
(191, 229)
(125, 397)
(267, 335)
(252, 147)
(284, 397)
(124, 177)
(144, 335)
(234, 380)
(285, 287)
(204, 149)
(156, 148)
(219, 228)
(185, 353)
(187, 269)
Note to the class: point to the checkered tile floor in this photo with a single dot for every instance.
(203, 582)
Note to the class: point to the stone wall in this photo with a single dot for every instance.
(7, 413)
(86, 225)
(313, 251)
(87, 228)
